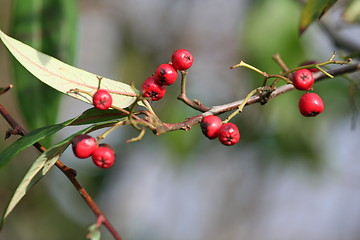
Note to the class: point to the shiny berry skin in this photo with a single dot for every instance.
(83, 145)
(165, 74)
(229, 134)
(150, 88)
(104, 156)
(303, 79)
(182, 59)
(210, 126)
(102, 99)
(311, 105)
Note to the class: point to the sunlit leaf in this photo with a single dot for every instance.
(312, 11)
(64, 77)
(51, 27)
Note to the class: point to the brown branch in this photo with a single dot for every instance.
(216, 110)
(69, 172)
(195, 104)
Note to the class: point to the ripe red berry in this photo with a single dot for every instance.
(182, 59)
(102, 99)
(311, 104)
(104, 156)
(210, 126)
(303, 79)
(150, 88)
(229, 134)
(83, 145)
(165, 74)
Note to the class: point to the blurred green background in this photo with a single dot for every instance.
(290, 177)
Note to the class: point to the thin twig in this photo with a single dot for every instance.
(195, 104)
(216, 110)
(69, 173)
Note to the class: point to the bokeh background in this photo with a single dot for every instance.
(290, 177)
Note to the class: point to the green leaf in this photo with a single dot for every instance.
(50, 26)
(33, 175)
(312, 11)
(352, 12)
(64, 77)
(94, 115)
(38, 169)
(90, 116)
(28, 140)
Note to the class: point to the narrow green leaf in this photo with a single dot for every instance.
(29, 139)
(94, 115)
(312, 11)
(64, 77)
(90, 116)
(38, 169)
(49, 157)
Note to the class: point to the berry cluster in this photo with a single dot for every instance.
(310, 104)
(227, 133)
(166, 74)
(84, 146)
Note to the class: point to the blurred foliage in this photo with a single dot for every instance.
(312, 11)
(352, 11)
(50, 27)
(280, 131)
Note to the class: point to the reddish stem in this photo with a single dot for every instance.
(70, 174)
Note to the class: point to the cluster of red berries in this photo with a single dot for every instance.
(84, 146)
(310, 104)
(227, 133)
(166, 74)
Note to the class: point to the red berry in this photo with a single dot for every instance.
(152, 89)
(102, 99)
(210, 126)
(104, 156)
(229, 134)
(308, 63)
(165, 74)
(83, 145)
(182, 59)
(303, 79)
(311, 104)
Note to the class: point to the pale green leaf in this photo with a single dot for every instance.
(39, 168)
(45, 161)
(64, 77)
(50, 26)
